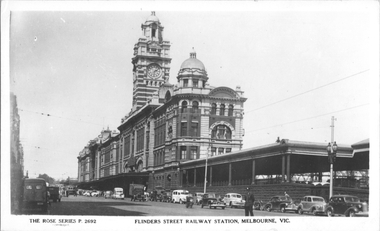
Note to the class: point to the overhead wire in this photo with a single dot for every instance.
(302, 93)
(313, 117)
(50, 115)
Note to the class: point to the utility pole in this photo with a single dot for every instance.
(331, 164)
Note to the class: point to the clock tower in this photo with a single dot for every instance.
(151, 62)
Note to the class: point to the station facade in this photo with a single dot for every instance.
(172, 129)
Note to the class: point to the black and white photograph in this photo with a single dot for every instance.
(224, 115)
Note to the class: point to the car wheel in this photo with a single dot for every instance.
(350, 213)
(202, 206)
(299, 211)
(329, 213)
(282, 209)
(268, 209)
(231, 205)
(210, 206)
(223, 207)
(314, 212)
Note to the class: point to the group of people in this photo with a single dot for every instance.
(249, 200)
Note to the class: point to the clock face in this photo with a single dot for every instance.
(154, 71)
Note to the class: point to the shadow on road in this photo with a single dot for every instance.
(93, 209)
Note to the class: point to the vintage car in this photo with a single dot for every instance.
(234, 200)
(108, 194)
(346, 205)
(166, 196)
(179, 196)
(279, 203)
(312, 204)
(198, 197)
(210, 200)
(55, 194)
(35, 196)
(118, 193)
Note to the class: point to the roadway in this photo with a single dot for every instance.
(99, 206)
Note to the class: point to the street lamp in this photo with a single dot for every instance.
(331, 151)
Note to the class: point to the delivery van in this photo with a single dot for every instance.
(35, 196)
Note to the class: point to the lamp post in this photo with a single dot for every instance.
(331, 151)
(205, 182)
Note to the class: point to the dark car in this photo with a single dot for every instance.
(55, 194)
(210, 200)
(35, 197)
(346, 205)
(278, 203)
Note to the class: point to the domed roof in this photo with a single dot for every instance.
(152, 18)
(193, 62)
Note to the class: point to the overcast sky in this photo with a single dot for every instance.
(297, 68)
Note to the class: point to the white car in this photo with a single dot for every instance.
(179, 196)
(118, 193)
(87, 193)
(95, 194)
(233, 200)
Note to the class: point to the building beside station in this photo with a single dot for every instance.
(173, 129)
(17, 157)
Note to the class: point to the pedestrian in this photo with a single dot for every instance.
(248, 205)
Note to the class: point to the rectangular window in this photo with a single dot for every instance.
(193, 152)
(140, 139)
(213, 151)
(127, 147)
(220, 151)
(195, 83)
(194, 129)
(183, 152)
(228, 150)
(185, 82)
(183, 128)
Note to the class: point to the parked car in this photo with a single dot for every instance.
(179, 196)
(87, 193)
(55, 194)
(118, 193)
(108, 194)
(35, 196)
(233, 200)
(312, 204)
(346, 205)
(198, 197)
(278, 203)
(95, 193)
(210, 200)
(166, 196)
(137, 191)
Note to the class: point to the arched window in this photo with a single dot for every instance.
(213, 109)
(222, 109)
(195, 106)
(167, 96)
(184, 106)
(221, 132)
(230, 110)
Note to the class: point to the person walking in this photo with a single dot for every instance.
(248, 206)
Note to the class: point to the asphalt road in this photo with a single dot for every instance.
(98, 206)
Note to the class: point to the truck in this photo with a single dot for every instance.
(136, 191)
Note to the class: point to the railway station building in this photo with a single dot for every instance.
(173, 130)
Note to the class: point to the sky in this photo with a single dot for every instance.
(72, 74)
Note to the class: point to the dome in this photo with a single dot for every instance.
(152, 18)
(193, 62)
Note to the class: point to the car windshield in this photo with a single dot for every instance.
(238, 196)
(184, 193)
(318, 200)
(352, 199)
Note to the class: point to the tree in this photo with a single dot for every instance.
(46, 177)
